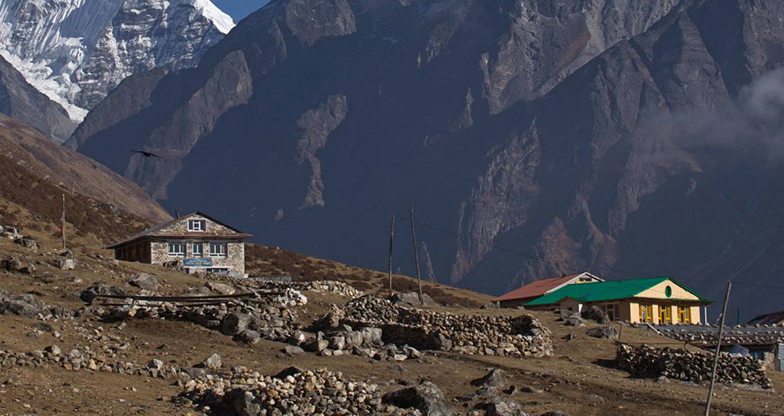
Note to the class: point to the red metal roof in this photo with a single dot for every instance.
(537, 288)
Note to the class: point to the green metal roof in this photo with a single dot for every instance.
(597, 292)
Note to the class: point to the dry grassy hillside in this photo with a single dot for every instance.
(26, 148)
(577, 379)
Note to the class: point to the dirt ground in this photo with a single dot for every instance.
(578, 378)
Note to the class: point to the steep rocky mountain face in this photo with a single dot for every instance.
(77, 51)
(20, 100)
(25, 153)
(534, 138)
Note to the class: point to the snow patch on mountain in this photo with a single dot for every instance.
(77, 51)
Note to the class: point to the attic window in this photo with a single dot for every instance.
(197, 225)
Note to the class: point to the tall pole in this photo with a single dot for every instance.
(62, 224)
(416, 253)
(391, 240)
(718, 349)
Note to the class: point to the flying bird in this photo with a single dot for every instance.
(146, 153)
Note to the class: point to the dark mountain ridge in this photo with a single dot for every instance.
(548, 136)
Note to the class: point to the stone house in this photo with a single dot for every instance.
(658, 300)
(197, 242)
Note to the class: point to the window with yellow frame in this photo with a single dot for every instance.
(684, 314)
(646, 313)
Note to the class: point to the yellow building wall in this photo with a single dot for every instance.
(696, 317)
(658, 292)
(630, 311)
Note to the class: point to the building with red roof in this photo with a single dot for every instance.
(542, 287)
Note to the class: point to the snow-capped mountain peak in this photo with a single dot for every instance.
(77, 51)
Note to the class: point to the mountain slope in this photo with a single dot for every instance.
(76, 51)
(534, 138)
(43, 159)
(20, 100)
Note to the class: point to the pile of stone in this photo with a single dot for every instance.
(365, 342)
(467, 334)
(246, 320)
(324, 286)
(292, 392)
(30, 306)
(648, 362)
(85, 359)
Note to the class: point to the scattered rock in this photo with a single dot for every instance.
(27, 242)
(234, 323)
(425, 397)
(99, 288)
(144, 281)
(12, 264)
(495, 378)
(293, 350)
(221, 288)
(66, 264)
(213, 362)
(606, 332)
(248, 336)
(413, 299)
(501, 406)
(595, 314)
(574, 320)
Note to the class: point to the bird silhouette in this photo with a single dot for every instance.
(146, 153)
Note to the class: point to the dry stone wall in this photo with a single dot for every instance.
(519, 336)
(648, 362)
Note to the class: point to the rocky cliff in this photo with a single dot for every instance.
(534, 138)
(76, 51)
(20, 100)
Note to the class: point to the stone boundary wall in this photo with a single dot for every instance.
(648, 362)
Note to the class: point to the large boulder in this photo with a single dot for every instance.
(25, 305)
(99, 288)
(607, 331)
(496, 378)
(243, 402)
(27, 242)
(595, 314)
(573, 320)
(413, 299)
(425, 397)
(12, 264)
(144, 281)
(501, 406)
(213, 362)
(221, 289)
(234, 323)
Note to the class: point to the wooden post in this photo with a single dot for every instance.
(416, 253)
(62, 224)
(718, 349)
(391, 240)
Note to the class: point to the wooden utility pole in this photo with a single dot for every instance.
(391, 240)
(718, 349)
(416, 253)
(62, 224)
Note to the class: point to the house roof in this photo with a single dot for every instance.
(612, 290)
(154, 231)
(540, 287)
(772, 318)
(537, 288)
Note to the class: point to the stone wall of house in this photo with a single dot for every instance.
(181, 227)
(234, 260)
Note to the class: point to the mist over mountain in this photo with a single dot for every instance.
(534, 138)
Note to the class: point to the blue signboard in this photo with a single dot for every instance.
(197, 262)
